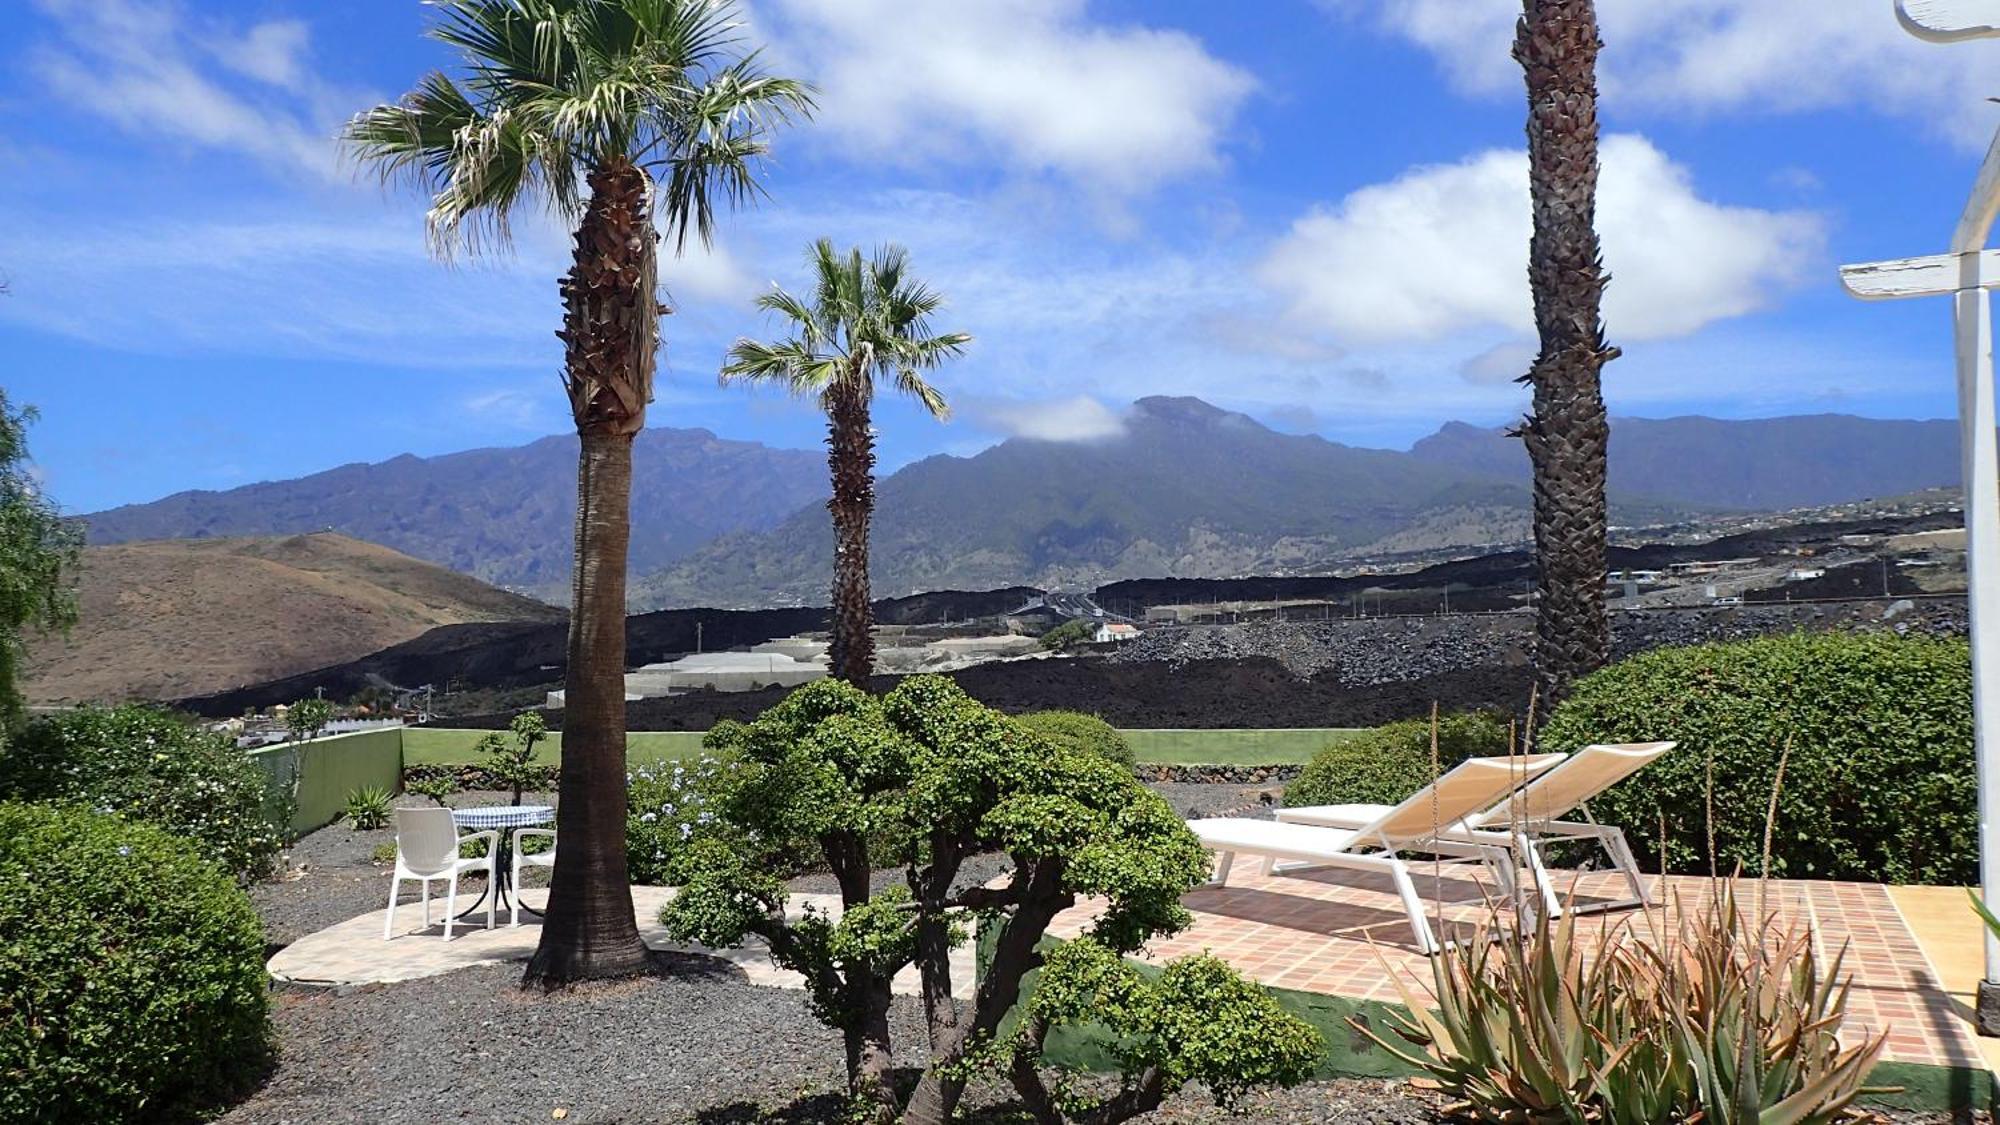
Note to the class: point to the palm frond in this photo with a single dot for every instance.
(548, 90)
(867, 318)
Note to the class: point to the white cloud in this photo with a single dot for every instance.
(1501, 363)
(515, 407)
(273, 53)
(1116, 109)
(1710, 56)
(140, 66)
(348, 280)
(1444, 249)
(1079, 418)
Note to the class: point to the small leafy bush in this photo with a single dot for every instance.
(1730, 1022)
(1879, 785)
(306, 718)
(1384, 765)
(147, 765)
(132, 981)
(435, 789)
(368, 808)
(1068, 635)
(668, 805)
(1080, 731)
(510, 761)
(1241, 1040)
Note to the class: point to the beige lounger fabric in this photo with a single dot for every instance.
(1533, 813)
(1425, 819)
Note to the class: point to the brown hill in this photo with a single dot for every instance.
(170, 618)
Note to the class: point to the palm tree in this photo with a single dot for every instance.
(867, 320)
(555, 96)
(1567, 433)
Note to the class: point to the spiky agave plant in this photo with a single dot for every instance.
(1705, 1022)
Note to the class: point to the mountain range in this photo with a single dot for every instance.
(1191, 490)
(505, 515)
(1184, 489)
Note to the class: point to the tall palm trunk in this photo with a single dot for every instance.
(611, 330)
(850, 457)
(1567, 434)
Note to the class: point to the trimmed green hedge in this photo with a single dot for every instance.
(1880, 784)
(1083, 732)
(1385, 765)
(132, 982)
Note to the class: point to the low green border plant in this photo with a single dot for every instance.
(368, 808)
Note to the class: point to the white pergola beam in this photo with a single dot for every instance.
(1950, 21)
(1932, 276)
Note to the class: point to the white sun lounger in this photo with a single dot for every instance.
(1419, 823)
(1533, 815)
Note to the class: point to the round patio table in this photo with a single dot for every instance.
(505, 818)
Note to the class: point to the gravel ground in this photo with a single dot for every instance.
(699, 1045)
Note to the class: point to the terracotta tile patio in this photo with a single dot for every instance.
(1344, 933)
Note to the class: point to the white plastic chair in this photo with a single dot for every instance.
(427, 848)
(521, 857)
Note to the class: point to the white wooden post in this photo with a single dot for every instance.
(1967, 272)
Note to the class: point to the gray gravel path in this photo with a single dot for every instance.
(699, 1046)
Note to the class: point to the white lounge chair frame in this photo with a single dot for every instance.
(427, 842)
(1532, 816)
(1420, 823)
(523, 859)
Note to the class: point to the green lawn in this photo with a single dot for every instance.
(1232, 747)
(424, 746)
(433, 745)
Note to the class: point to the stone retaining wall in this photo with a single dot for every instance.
(1215, 775)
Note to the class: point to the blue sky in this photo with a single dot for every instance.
(1312, 212)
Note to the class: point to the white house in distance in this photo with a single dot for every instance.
(1115, 631)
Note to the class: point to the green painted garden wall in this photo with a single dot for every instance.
(323, 771)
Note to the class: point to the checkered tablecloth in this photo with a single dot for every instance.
(503, 816)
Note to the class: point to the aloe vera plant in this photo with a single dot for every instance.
(1709, 1021)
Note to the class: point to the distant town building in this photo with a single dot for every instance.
(1115, 631)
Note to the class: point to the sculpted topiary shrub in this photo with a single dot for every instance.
(1879, 784)
(132, 982)
(1384, 765)
(148, 765)
(1083, 732)
(932, 777)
